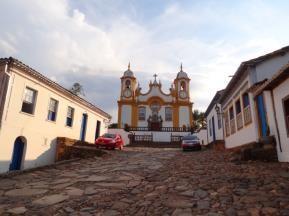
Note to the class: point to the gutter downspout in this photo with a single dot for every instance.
(222, 117)
(6, 69)
(207, 132)
(4, 85)
(275, 118)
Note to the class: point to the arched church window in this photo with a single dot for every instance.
(168, 114)
(127, 84)
(141, 113)
(183, 86)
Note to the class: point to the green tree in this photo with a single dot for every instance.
(199, 120)
(113, 125)
(77, 89)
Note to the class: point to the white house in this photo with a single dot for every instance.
(215, 131)
(238, 106)
(202, 135)
(34, 111)
(274, 113)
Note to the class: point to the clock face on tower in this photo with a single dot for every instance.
(127, 93)
(183, 94)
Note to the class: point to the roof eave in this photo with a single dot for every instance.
(251, 63)
(18, 64)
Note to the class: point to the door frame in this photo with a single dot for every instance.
(97, 131)
(83, 127)
(213, 127)
(18, 154)
(261, 115)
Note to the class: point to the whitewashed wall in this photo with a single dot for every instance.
(248, 133)
(280, 93)
(266, 69)
(218, 131)
(155, 91)
(40, 133)
(126, 115)
(161, 136)
(184, 116)
(202, 135)
(124, 134)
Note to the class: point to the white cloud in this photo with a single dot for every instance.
(7, 48)
(78, 17)
(61, 38)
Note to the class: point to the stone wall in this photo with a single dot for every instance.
(255, 151)
(218, 145)
(70, 148)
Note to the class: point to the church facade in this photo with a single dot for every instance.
(155, 110)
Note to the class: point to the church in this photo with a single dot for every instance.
(155, 110)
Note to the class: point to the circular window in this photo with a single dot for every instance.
(155, 106)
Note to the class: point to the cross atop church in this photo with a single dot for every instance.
(155, 76)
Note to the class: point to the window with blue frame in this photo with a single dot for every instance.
(231, 113)
(52, 110)
(238, 107)
(69, 117)
(246, 101)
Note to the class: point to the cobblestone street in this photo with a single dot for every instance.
(142, 181)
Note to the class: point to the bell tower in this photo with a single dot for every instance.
(127, 108)
(182, 85)
(128, 85)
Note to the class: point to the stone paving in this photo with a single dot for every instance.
(146, 181)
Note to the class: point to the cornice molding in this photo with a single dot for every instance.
(19, 67)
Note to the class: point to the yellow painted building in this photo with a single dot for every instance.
(155, 109)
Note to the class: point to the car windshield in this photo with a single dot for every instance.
(107, 135)
(190, 138)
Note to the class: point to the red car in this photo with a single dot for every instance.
(109, 141)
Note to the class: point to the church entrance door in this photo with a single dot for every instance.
(155, 126)
(155, 122)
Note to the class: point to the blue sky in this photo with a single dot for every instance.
(92, 41)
